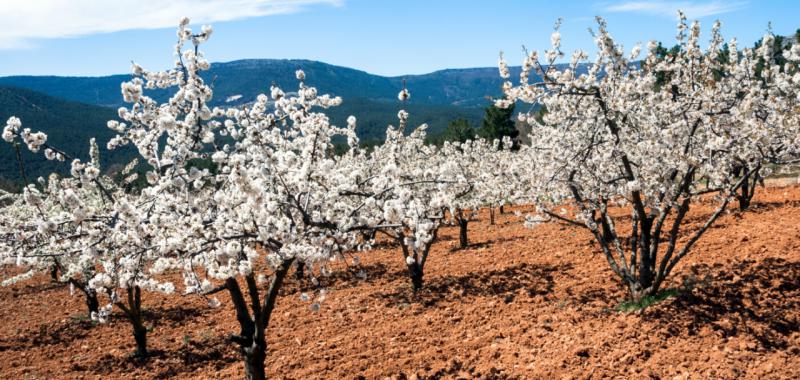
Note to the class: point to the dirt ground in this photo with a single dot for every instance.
(519, 303)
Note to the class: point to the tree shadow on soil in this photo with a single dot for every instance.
(385, 243)
(597, 295)
(488, 243)
(214, 352)
(54, 333)
(506, 283)
(341, 277)
(172, 316)
(37, 288)
(78, 327)
(443, 237)
(758, 207)
(755, 299)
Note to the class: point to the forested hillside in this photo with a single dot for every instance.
(440, 97)
(69, 126)
(249, 77)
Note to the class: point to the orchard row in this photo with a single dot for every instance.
(648, 135)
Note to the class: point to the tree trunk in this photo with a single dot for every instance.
(91, 300)
(502, 209)
(462, 228)
(642, 289)
(91, 296)
(133, 310)
(644, 278)
(462, 233)
(252, 337)
(415, 272)
(299, 270)
(608, 235)
(491, 216)
(254, 358)
(140, 335)
(744, 198)
(414, 268)
(54, 273)
(748, 189)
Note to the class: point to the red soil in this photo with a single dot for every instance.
(519, 303)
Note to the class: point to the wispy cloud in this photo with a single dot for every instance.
(25, 21)
(693, 10)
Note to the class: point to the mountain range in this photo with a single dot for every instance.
(73, 109)
(69, 126)
(250, 77)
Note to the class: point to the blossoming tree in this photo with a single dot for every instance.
(23, 222)
(777, 69)
(90, 227)
(272, 199)
(490, 170)
(404, 187)
(614, 136)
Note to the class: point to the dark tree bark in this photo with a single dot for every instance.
(463, 223)
(299, 270)
(54, 273)
(748, 189)
(491, 216)
(92, 304)
(608, 235)
(254, 364)
(416, 274)
(254, 321)
(140, 335)
(91, 301)
(416, 266)
(133, 311)
(463, 239)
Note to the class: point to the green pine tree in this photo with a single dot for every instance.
(458, 130)
(498, 123)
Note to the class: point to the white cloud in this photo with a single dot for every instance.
(27, 20)
(693, 10)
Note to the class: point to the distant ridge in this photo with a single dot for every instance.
(69, 126)
(249, 77)
(73, 109)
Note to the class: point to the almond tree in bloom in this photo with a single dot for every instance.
(90, 227)
(615, 137)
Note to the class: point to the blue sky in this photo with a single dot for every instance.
(94, 37)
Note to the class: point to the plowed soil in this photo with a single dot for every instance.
(518, 303)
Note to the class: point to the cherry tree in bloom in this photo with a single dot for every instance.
(404, 188)
(90, 227)
(614, 136)
(782, 147)
(470, 157)
(23, 245)
(272, 198)
(489, 169)
(502, 181)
